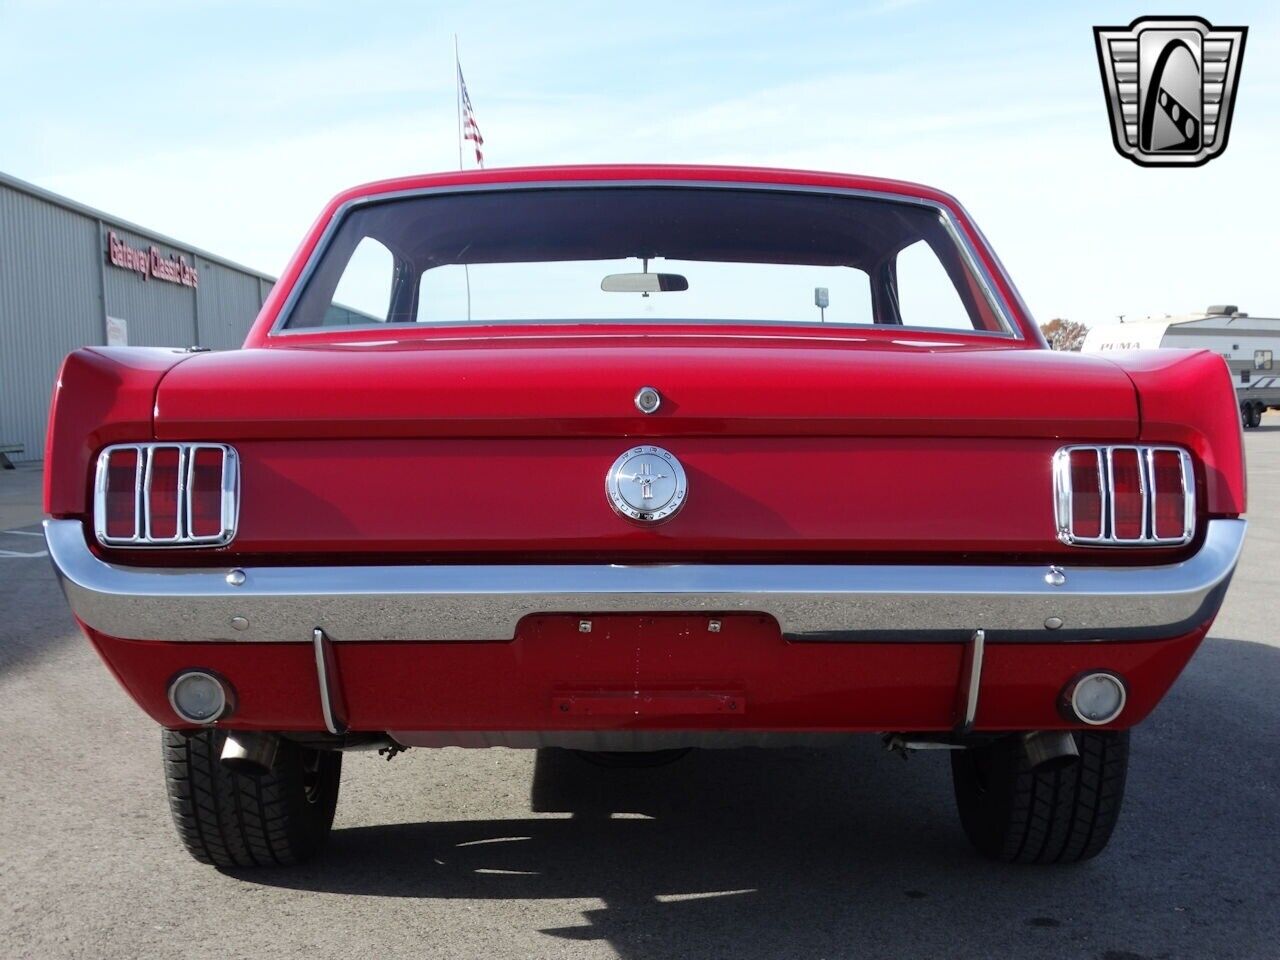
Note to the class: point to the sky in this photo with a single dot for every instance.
(228, 125)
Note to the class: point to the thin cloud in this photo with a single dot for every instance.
(1012, 123)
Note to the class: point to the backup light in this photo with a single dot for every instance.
(1096, 698)
(198, 697)
(167, 494)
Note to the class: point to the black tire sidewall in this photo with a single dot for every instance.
(1016, 814)
(233, 820)
(310, 811)
(983, 779)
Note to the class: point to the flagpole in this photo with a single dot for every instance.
(457, 84)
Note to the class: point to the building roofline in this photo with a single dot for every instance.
(48, 196)
(1223, 320)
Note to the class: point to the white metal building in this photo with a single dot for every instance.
(71, 275)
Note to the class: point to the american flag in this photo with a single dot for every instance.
(470, 129)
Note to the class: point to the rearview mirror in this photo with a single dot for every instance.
(643, 283)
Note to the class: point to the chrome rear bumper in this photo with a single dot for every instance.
(811, 602)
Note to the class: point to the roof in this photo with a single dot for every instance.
(577, 173)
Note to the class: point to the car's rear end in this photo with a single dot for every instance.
(472, 485)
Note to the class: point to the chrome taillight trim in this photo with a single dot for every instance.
(1144, 523)
(1188, 494)
(1064, 505)
(1104, 454)
(148, 534)
(230, 493)
(229, 490)
(100, 480)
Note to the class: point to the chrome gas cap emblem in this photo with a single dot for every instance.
(646, 483)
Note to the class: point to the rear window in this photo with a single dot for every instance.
(639, 255)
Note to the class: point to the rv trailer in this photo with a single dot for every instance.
(1250, 345)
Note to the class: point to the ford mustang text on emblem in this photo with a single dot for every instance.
(646, 483)
(278, 571)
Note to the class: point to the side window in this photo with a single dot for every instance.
(847, 292)
(444, 293)
(1262, 359)
(926, 295)
(363, 294)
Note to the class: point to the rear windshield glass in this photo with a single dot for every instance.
(643, 255)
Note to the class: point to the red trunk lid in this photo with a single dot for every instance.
(832, 446)
(526, 385)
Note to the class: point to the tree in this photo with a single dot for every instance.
(1064, 334)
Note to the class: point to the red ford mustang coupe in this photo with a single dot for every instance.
(631, 460)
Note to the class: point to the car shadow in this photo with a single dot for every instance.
(35, 622)
(849, 851)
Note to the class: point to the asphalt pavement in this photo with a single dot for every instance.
(498, 853)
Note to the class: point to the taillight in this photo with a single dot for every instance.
(1124, 495)
(162, 494)
(1086, 493)
(1128, 495)
(119, 490)
(205, 479)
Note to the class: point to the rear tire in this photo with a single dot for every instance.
(1255, 415)
(232, 820)
(1013, 813)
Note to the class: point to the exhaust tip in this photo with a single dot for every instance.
(250, 754)
(199, 696)
(1095, 698)
(1048, 750)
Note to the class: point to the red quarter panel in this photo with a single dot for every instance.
(103, 395)
(1187, 397)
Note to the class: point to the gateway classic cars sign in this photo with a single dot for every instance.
(151, 262)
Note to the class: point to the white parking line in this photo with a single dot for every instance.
(21, 554)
